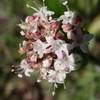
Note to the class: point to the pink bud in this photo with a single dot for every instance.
(67, 27)
(54, 25)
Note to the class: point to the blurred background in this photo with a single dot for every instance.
(83, 84)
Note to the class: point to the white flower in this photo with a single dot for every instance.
(61, 77)
(60, 65)
(56, 77)
(65, 61)
(68, 17)
(45, 11)
(52, 44)
(47, 62)
(62, 52)
(26, 68)
(66, 64)
(39, 48)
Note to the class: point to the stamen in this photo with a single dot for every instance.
(12, 70)
(55, 85)
(67, 7)
(54, 89)
(64, 85)
(39, 80)
(53, 93)
(27, 5)
(20, 75)
(17, 70)
(65, 3)
(43, 2)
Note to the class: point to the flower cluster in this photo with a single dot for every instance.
(47, 44)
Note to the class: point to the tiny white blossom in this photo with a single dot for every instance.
(46, 12)
(66, 64)
(60, 64)
(56, 77)
(26, 68)
(62, 52)
(39, 47)
(55, 44)
(68, 17)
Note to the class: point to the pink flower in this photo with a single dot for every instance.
(70, 20)
(35, 27)
(35, 35)
(77, 21)
(67, 27)
(31, 19)
(54, 25)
